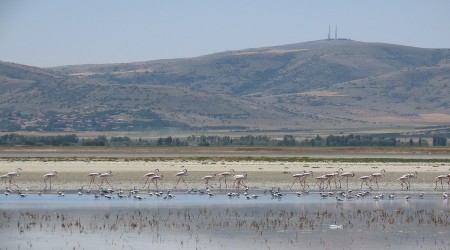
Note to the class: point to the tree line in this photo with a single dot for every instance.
(214, 140)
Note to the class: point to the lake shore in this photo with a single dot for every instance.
(72, 174)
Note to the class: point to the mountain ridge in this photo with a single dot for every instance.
(313, 85)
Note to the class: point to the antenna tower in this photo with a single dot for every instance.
(329, 31)
(335, 33)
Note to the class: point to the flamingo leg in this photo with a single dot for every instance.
(184, 182)
(145, 183)
(304, 184)
(108, 182)
(220, 183)
(294, 182)
(179, 179)
(92, 181)
(321, 184)
(12, 182)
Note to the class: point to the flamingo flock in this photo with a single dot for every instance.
(327, 181)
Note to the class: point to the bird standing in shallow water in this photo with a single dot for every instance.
(239, 179)
(345, 175)
(93, 175)
(378, 175)
(224, 176)
(441, 178)
(181, 176)
(155, 180)
(105, 177)
(11, 175)
(49, 177)
(149, 176)
(207, 178)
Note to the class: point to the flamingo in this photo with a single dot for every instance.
(224, 176)
(93, 175)
(405, 180)
(346, 175)
(332, 176)
(411, 176)
(239, 179)
(105, 177)
(378, 175)
(181, 176)
(149, 175)
(365, 179)
(11, 175)
(155, 179)
(49, 177)
(301, 178)
(441, 178)
(298, 177)
(4, 176)
(321, 180)
(305, 175)
(207, 178)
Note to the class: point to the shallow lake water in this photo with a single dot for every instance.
(195, 221)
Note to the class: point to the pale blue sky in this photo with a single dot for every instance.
(61, 32)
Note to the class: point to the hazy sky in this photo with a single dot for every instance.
(62, 32)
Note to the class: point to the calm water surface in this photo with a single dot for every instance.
(194, 221)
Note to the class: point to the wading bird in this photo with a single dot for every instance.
(320, 181)
(376, 176)
(181, 176)
(11, 175)
(155, 180)
(93, 175)
(149, 175)
(49, 177)
(442, 178)
(207, 178)
(405, 180)
(105, 177)
(307, 174)
(301, 178)
(366, 179)
(332, 177)
(224, 176)
(239, 179)
(298, 177)
(345, 175)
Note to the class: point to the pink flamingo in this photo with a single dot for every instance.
(224, 176)
(181, 176)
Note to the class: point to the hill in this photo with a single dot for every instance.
(314, 85)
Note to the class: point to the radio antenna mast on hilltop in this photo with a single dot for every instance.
(329, 32)
(335, 33)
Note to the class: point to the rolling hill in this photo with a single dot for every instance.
(314, 85)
